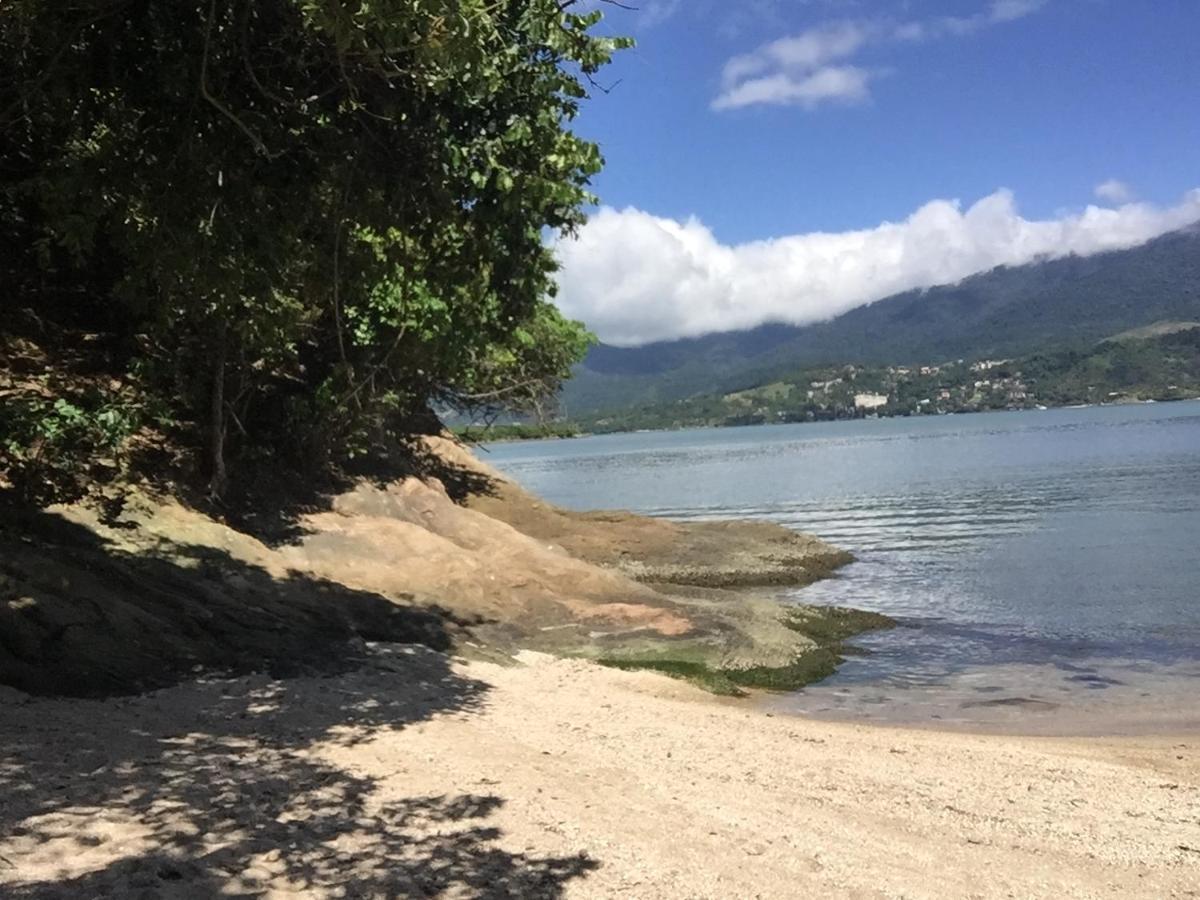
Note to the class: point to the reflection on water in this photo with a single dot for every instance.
(1046, 557)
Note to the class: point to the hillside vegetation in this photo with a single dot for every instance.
(1158, 362)
(1059, 304)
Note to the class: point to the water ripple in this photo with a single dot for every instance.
(1017, 539)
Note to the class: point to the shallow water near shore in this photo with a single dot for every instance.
(1043, 565)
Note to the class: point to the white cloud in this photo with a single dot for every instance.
(845, 84)
(998, 13)
(911, 31)
(1114, 191)
(809, 50)
(1011, 10)
(797, 70)
(636, 278)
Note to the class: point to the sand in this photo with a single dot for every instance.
(420, 776)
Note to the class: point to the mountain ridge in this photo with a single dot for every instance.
(1007, 311)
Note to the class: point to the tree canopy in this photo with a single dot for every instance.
(300, 221)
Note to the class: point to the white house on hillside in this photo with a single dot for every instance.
(870, 401)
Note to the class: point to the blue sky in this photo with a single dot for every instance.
(768, 119)
(1049, 105)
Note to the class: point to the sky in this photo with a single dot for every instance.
(789, 160)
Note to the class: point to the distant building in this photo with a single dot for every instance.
(985, 364)
(870, 401)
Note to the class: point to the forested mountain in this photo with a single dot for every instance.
(1158, 362)
(1009, 311)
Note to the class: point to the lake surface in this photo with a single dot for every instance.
(1043, 565)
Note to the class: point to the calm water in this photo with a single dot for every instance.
(1043, 564)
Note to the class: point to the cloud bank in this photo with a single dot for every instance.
(814, 67)
(635, 278)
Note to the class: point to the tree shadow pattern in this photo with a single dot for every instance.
(216, 776)
(80, 617)
(230, 802)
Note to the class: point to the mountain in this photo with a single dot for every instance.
(1009, 311)
(1156, 362)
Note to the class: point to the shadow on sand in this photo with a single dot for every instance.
(212, 787)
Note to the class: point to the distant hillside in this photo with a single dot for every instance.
(1071, 302)
(1160, 362)
(1154, 330)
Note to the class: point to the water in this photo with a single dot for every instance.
(1043, 564)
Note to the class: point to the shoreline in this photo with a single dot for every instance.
(1095, 696)
(557, 778)
(1079, 726)
(1110, 661)
(472, 770)
(454, 556)
(484, 444)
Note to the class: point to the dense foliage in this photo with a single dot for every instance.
(58, 433)
(301, 221)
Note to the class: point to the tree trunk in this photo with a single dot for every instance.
(219, 478)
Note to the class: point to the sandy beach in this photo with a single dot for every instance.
(428, 471)
(420, 776)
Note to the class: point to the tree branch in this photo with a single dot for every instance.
(217, 104)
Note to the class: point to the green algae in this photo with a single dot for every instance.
(828, 627)
(735, 682)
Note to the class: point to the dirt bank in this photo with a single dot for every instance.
(414, 777)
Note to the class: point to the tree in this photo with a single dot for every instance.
(305, 219)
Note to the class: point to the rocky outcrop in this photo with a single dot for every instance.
(84, 614)
(90, 604)
(707, 554)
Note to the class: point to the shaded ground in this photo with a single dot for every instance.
(213, 789)
(412, 777)
(84, 614)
